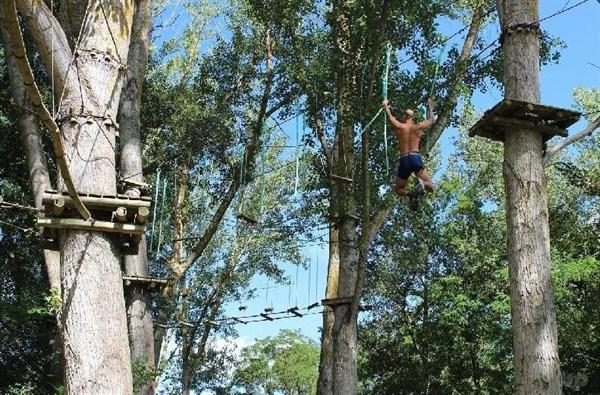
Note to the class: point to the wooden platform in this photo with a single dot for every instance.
(512, 114)
(335, 302)
(99, 201)
(97, 226)
(151, 282)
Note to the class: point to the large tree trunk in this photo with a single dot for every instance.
(138, 297)
(326, 357)
(93, 316)
(536, 361)
(338, 373)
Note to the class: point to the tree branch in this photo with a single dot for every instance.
(555, 149)
(50, 40)
(129, 116)
(460, 70)
(18, 49)
(32, 141)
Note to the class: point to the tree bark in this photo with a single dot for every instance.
(535, 343)
(93, 315)
(342, 344)
(326, 356)
(38, 177)
(138, 298)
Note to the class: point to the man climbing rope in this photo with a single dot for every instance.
(409, 136)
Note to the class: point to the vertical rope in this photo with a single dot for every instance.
(437, 69)
(241, 197)
(162, 211)
(317, 279)
(267, 293)
(435, 75)
(262, 183)
(297, 156)
(309, 282)
(156, 189)
(297, 271)
(384, 83)
(52, 60)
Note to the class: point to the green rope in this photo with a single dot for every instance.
(262, 183)
(242, 166)
(435, 75)
(437, 69)
(384, 83)
(156, 188)
(162, 207)
(241, 197)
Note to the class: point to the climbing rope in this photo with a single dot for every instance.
(384, 86)
(297, 156)
(162, 207)
(156, 189)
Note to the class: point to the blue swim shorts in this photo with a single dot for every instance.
(409, 163)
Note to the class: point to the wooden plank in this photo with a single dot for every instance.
(340, 178)
(266, 316)
(96, 226)
(336, 301)
(147, 280)
(104, 202)
(522, 124)
(294, 311)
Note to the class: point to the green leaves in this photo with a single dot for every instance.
(286, 363)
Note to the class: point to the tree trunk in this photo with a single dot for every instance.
(342, 344)
(326, 356)
(93, 317)
(138, 298)
(535, 343)
(32, 141)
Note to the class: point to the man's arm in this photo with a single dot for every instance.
(393, 119)
(429, 121)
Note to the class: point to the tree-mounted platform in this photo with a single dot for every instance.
(510, 114)
(120, 214)
(150, 282)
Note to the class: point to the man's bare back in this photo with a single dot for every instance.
(409, 136)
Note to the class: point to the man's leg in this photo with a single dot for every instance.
(401, 187)
(426, 179)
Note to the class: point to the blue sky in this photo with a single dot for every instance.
(578, 28)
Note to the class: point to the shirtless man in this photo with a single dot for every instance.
(409, 136)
